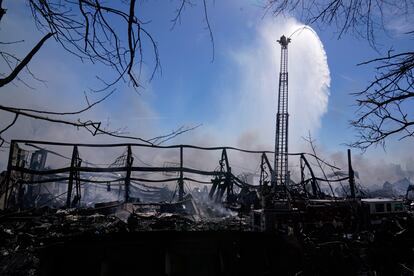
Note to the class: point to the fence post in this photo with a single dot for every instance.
(8, 174)
(181, 181)
(71, 173)
(351, 175)
(129, 162)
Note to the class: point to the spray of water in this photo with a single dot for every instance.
(254, 91)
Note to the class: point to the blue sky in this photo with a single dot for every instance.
(190, 81)
(192, 90)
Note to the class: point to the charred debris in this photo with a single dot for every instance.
(66, 215)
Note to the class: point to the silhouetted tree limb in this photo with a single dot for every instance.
(92, 30)
(96, 31)
(93, 127)
(39, 111)
(12, 63)
(179, 11)
(361, 17)
(2, 10)
(24, 62)
(164, 138)
(313, 147)
(210, 32)
(386, 105)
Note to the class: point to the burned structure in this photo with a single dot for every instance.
(34, 177)
(120, 206)
(40, 174)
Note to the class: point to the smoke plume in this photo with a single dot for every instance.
(251, 111)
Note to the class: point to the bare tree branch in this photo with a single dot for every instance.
(25, 61)
(313, 147)
(94, 34)
(93, 127)
(179, 12)
(209, 29)
(95, 31)
(385, 105)
(89, 106)
(2, 11)
(164, 138)
(363, 18)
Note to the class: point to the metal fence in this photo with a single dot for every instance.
(43, 173)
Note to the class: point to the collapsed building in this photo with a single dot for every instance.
(128, 209)
(175, 218)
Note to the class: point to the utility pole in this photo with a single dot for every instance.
(280, 175)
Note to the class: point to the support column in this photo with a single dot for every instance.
(71, 174)
(129, 162)
(181, 180)
(302, 175)
(351, 175)
(8, 174)
(315, 186)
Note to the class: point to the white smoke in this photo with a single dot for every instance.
(252, 106)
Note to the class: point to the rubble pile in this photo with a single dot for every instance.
(177, 222)
(23, 234)
(386, 249)
(323, 241)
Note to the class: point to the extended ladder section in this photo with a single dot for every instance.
(280, 177)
